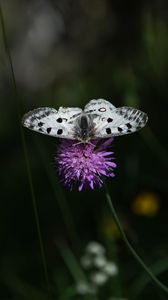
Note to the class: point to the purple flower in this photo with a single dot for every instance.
(84, 165)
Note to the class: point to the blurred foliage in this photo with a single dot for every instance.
(65, 53)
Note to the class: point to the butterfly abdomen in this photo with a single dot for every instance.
(84, 125)
(84, 122)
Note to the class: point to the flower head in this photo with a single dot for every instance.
(84, 165)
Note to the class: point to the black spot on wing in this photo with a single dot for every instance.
(109, 120)
(128, 125)
(40, 124)
(108, 130)
(59, 120)
(59, 131)
(49, 130)
(120, 129)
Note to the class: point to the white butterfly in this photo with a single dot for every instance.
(99, 119)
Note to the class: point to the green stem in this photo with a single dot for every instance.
(131, 249)
(24, 149)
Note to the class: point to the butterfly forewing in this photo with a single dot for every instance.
(52, 122)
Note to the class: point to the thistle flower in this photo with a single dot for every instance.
(84, 165)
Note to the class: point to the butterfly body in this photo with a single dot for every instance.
(84, 128)
(99, 119)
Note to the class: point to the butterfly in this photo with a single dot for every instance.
(98, 119)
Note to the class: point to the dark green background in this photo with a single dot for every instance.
(65, 53)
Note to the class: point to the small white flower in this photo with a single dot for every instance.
(98, 278)
(83, 288)
(95, 248)
(86, 261)
(110, 268)
(99, 261)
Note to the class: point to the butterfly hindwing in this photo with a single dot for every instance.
(52, 122)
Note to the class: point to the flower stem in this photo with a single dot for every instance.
(131, 249)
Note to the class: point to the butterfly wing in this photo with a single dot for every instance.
(112, 121)
(51, 122)
(99, 107)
